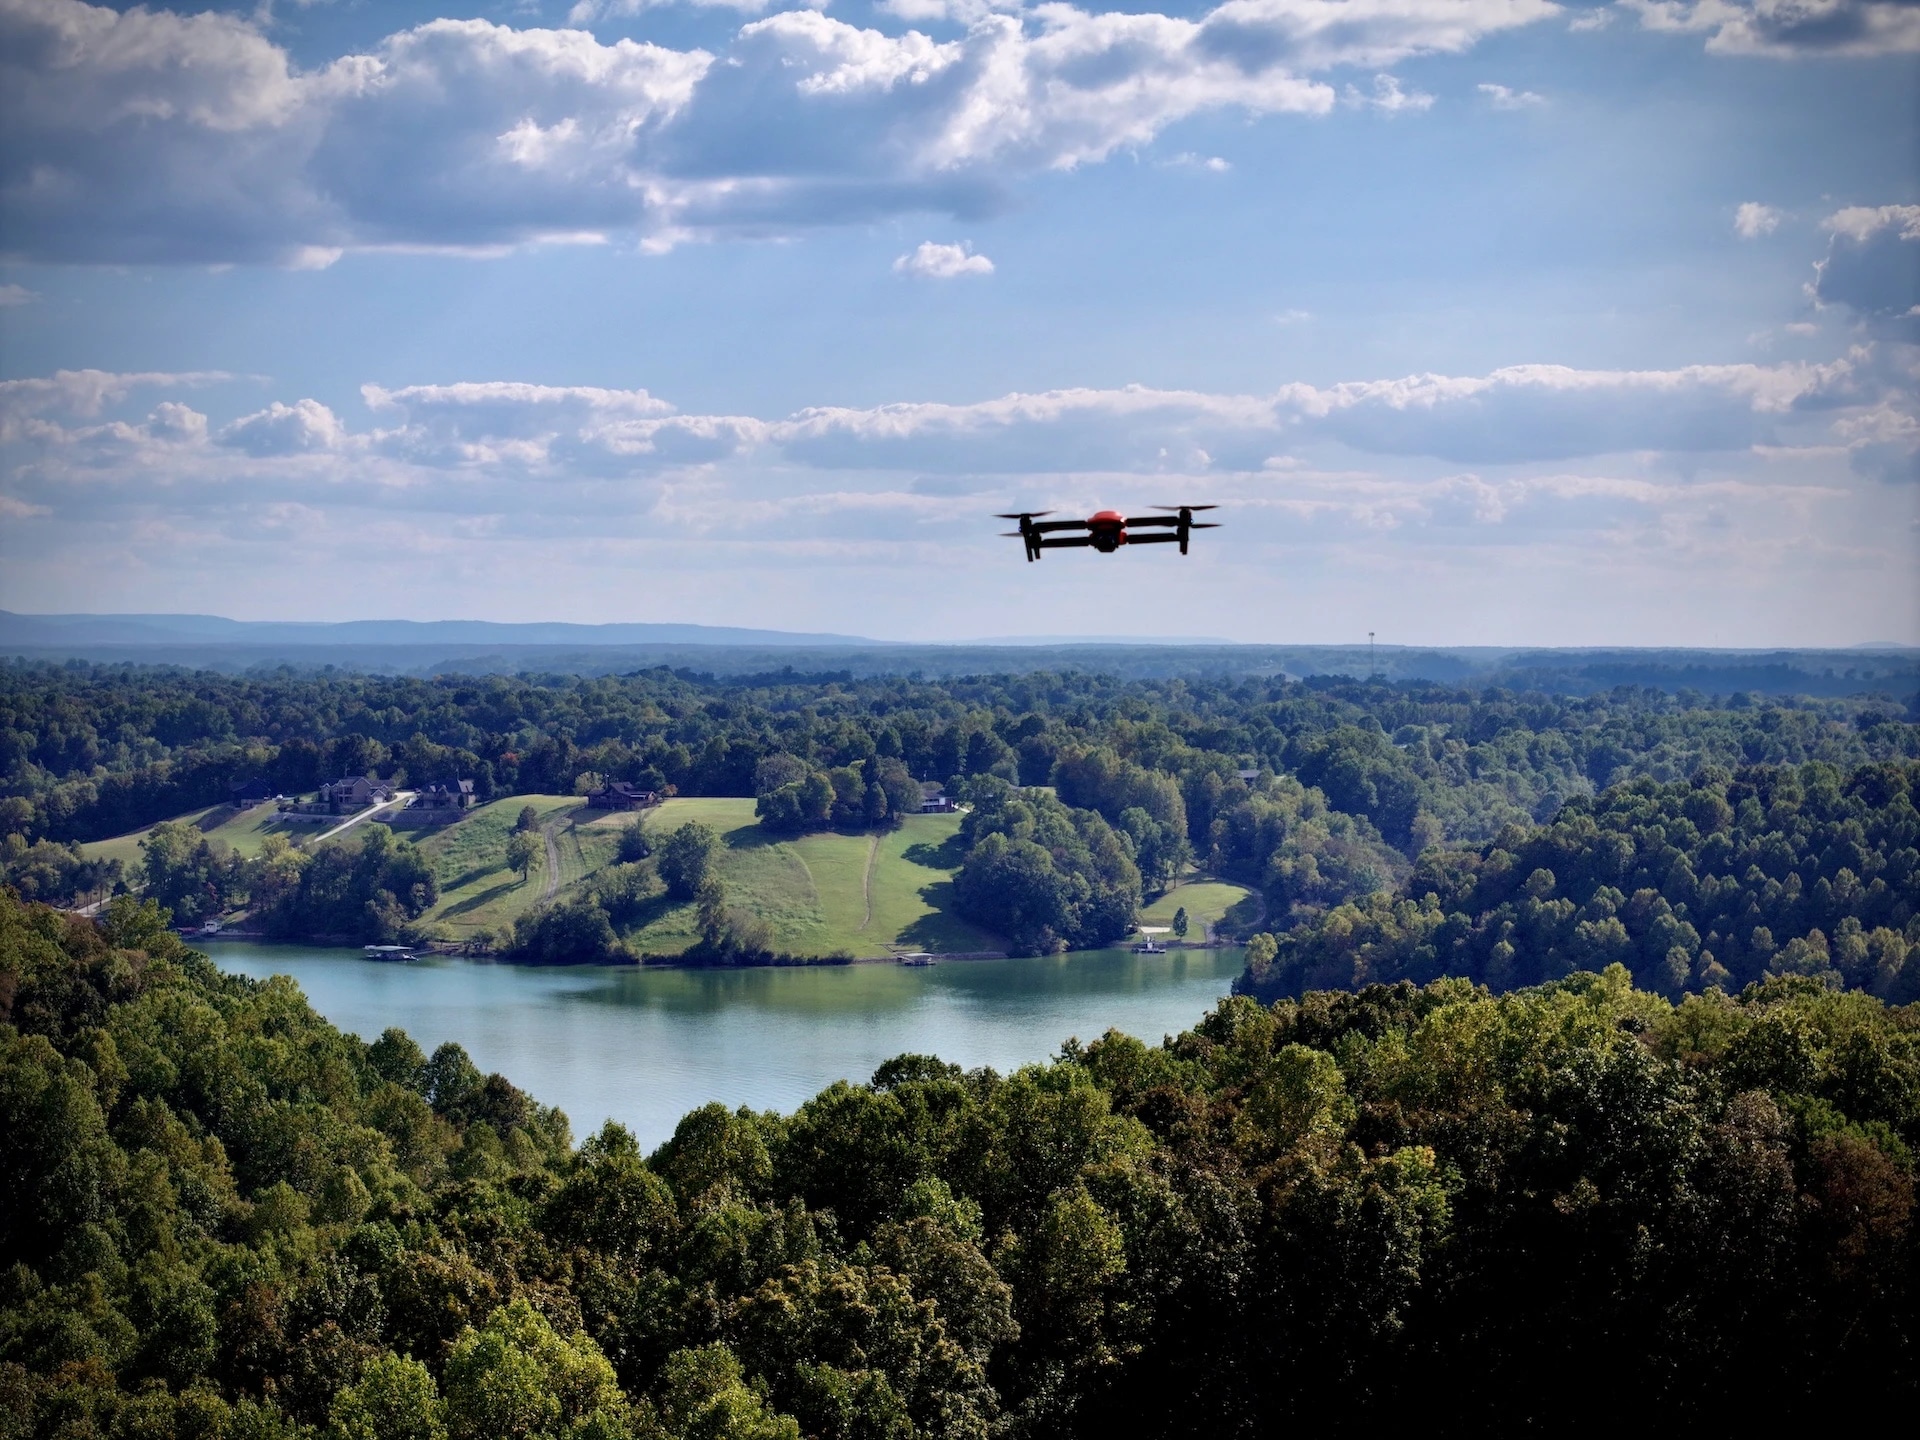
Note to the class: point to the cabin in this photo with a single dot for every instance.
(245, 793)
(621, 796)
(354, 792)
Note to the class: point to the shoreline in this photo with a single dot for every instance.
(672, 962)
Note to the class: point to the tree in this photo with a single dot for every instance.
(522, 850)
(634, 843)
(528, 819)
(517, 1377)
(394, 1399)
(1180, 922)
(686, 857)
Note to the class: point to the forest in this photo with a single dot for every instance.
(1409, 1204)
(1343, 802)
(1712, 883)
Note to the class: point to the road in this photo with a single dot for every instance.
(400, 798)
(553, 865)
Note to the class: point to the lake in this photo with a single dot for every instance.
(644, 1046)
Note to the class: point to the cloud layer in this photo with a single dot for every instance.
(1759, 485)
(56, 435)
(1789, 29)
(152, 136)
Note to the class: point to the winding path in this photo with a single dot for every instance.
(553, 865)
(866, 880)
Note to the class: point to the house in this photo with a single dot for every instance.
(354, 792)
(456, 795)
(934, 799)
(621, 796)
(1249, 775)
(243, 793)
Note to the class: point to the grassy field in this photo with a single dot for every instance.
(864, 894)
(242, 830)
(477, 890)
(1207, 903)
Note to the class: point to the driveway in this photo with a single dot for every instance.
(399, 800)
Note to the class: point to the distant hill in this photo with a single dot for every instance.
(35, 632)
(481, 647)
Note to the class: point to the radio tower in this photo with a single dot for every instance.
(1373, 670)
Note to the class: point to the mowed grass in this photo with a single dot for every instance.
(863, 894)
(1206, 901)
(244, 831)
(469, 858)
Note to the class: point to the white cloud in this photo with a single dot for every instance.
(1503, 97)
(1752, 220)
(83, 393)
(1872, 267)
(1785, 29)
(144, 135)
(1514, 416)
(298, 429)
(1737, 480)
(11, 295)
(1388, 96)
(932, 261)
(586, 12)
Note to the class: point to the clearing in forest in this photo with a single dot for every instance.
(244, 831)
(864, 894)
(477, 890)
(1206, 902)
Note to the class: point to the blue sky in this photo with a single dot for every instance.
(1485, 321)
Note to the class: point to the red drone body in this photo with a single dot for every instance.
(1107, 530)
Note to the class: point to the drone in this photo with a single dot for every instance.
(1107, 530)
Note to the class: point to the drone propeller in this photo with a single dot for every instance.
(1187, 508)
(1025, 515)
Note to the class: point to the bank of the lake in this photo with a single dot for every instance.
(644, 1045)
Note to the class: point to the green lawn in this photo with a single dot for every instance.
(242, 830)
(815, 890)
(865, 894)
(1206, 902)
(469, 857)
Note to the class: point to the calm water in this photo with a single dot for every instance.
(646, 1046)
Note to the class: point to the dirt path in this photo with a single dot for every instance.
(553, 865)
(866, 880)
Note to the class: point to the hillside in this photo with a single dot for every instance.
(825, 893)
(242, 831)
(822, 894)
(866, 895)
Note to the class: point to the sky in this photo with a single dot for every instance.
(1482, 321)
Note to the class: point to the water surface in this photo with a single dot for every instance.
(644, 1046)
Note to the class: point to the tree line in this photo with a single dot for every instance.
(369, 886)
(1410, 1205)
(1720, 881)
(90, 751)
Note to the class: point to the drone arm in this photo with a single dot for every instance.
(1065, 542)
